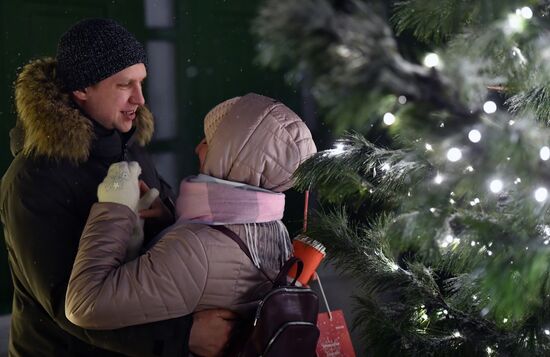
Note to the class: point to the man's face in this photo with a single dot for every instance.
(113, 101)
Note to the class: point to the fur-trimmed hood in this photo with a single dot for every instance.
(50, 124)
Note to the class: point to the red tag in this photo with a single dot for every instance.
(334, 339)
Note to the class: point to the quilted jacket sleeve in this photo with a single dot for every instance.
(104, 293)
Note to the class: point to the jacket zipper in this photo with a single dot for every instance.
(124, 152)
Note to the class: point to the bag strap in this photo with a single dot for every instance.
(280, 280)
(228, 232)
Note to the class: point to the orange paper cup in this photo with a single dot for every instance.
(311, 253)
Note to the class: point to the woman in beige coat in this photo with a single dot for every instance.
(253, 145)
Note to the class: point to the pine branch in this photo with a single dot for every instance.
(345, 52)
(400, 298)
(436, 21)
(535, 100)
(387, 170)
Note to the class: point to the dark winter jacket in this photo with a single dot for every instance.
(45, 198)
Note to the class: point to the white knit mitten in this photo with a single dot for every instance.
(121, 186)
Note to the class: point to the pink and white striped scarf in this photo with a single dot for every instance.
(209, 200)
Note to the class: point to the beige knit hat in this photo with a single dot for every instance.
(214, 117)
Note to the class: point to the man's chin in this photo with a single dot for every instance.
(125, 128)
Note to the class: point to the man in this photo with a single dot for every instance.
(77, 114)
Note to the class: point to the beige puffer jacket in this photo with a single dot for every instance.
(192, 267)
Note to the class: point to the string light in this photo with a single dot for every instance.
(429, 147)
(515, 22)
(496, 186)
(489, 107)
(389, 118)
(474, 136)
(402, 99)
(547, 332)
(448, 241)
(541, 194)
(544, 153)
(469, 168)
(517, 180)
(343, 51)
(454, 154)
(431, 60)
(526, 12)
(438, 179)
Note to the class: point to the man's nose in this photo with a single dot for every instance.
(137, 95)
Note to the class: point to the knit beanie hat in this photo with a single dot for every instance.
(94, 49)
(214, 117)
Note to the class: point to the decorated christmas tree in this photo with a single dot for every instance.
(436, 198)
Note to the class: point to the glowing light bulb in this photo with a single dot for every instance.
(389, 118)
(515, 22)
(429, 147)
(343, 51)
(496, 186)
(474, 136)
(438, 179)
(544, 153)
(541, 194)
(454, 154)
(547, 332)
(526, 12)
(402, 99)
(431, 60)
(489, 107)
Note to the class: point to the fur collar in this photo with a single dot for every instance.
(50, 122)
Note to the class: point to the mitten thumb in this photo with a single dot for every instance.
(147, 199)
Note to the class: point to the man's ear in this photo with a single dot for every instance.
(80, 94)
